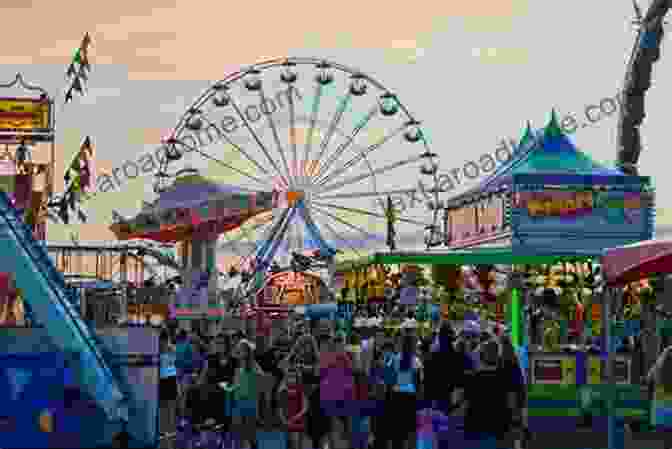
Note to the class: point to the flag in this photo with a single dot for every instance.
(79, 174)
(86, 41)
(83, 52)
(71, 70)
(77, 85)
(84, 62)
(81, 58)
(82, 73)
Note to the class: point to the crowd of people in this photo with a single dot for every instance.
(312, 384)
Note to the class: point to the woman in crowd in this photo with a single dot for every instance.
(301, 368)
(337, 385)
(245, 392)
(401, 370)
(168, 387)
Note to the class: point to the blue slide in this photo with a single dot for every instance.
(49, 301)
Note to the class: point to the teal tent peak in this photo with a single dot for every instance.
(553, 128)
(527, 135)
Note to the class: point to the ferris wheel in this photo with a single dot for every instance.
(332, 144)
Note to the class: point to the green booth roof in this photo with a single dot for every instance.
(480, 256)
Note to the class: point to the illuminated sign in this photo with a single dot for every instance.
(579, 219)
(482, 219)
(25, 115)
(575, 204)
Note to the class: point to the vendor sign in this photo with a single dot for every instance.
(24, 115)
(580, 217)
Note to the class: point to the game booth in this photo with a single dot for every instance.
(548, 213)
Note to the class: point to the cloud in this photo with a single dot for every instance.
(92, 96)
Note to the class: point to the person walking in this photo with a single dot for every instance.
(403, 398)
(303, 360)
(168, 388)
(337, 384)
(209, 400)
(444, 370)
(490, 399)
(383, 377)
(246, 392)
(185, 363)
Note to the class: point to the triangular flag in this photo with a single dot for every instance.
(84, 61)
(77, 85)
(63, 213)
(71, 70)
(86, 41)
(68, 95)
(82, 73)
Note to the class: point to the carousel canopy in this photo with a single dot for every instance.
(194, 205)
(542, 152)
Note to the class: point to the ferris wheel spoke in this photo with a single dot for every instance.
(229, 166)
(339, 237)
(369, 213)
(256, 138)
(368, 194)
(309, 138)
(365, 233)
(292, 130)
(360, 156)
(344, 146)
(373, 173)
(335, 120)
(237, 170)
(274, 130)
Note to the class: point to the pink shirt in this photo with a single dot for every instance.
(336, 378)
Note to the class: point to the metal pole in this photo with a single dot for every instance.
(615, 437)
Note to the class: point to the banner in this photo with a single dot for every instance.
(25, 114)
(600, 211)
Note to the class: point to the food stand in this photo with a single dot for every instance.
(549, 204)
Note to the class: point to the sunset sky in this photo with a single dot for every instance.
(472, 72)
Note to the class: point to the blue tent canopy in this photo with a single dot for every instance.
(548, 151)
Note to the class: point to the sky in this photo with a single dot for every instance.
(472, 72)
